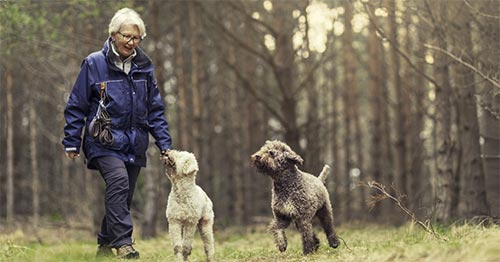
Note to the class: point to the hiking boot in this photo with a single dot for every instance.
(104, 251)
(127, 252)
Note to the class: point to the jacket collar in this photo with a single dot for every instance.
(141, 60)
(116, 56)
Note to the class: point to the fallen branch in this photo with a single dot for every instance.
(384, 194)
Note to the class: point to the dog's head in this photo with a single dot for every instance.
(179, 164)
(275, 156)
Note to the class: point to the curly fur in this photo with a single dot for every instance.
(188, 206)
(296, 196)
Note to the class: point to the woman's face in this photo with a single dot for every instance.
(126, 39)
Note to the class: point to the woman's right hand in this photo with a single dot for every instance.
(72, 155)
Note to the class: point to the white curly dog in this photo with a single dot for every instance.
(188, 206)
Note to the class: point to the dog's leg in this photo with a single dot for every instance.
(277, 228)
(310, 243)
(207, 235)
(175, 234)
(325, 216)
(187, 235)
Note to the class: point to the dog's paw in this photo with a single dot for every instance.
(333, 241)
(308, 250)
(310, 246)
(282, 248)
(315, 244)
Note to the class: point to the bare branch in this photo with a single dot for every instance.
(249, 17)
(251, 89)
(384, 195)
(309, 75)
(265, 57)
(479, 12)
(393, 45)
(326, 55)
(458, 59)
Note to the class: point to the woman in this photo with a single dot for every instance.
(116, 126)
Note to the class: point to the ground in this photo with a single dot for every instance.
(364, 243)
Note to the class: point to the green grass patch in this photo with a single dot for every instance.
(365, 243)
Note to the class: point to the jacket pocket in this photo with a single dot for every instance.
(119, 122)
(141, 98)
(141, 141)
(120, 142)
(118, 98)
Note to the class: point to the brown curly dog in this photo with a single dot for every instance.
(296, 196)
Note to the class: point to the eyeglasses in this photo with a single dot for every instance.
(127, 38)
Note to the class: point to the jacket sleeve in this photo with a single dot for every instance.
(158, 126)
(77, 109)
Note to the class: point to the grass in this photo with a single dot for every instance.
(365, 243)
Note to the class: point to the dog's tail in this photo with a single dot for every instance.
(324, 173)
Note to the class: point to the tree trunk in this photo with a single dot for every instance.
(349, 79)
(387, 149)
(153, 174)
(195, 50)
(445, 194)
(358, 137)
(333, 184)
(256, 135)
(10, 147)
(490, 114)
(243, 138)
(312, 160)
(235, 143)
(35, 182)
(218, 158)
(490, 126)
(418, 177)
(401, 167)
(66, 187)
(182, 104)
(151, 188)
(376, 90)
(473, 201)
(284, 71)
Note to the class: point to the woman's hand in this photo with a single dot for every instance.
(72, 155)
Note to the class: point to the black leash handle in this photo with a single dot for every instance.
(100, 126)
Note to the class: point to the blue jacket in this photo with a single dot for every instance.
(133, 102)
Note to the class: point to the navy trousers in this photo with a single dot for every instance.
(120, 179)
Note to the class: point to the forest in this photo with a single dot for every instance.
(402, 93)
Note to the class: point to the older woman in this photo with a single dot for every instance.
(116, 99)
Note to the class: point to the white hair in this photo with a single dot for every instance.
(126, 16)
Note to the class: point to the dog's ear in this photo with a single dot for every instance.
(190, 166)
(294, 157)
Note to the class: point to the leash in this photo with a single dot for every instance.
(100, 126)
